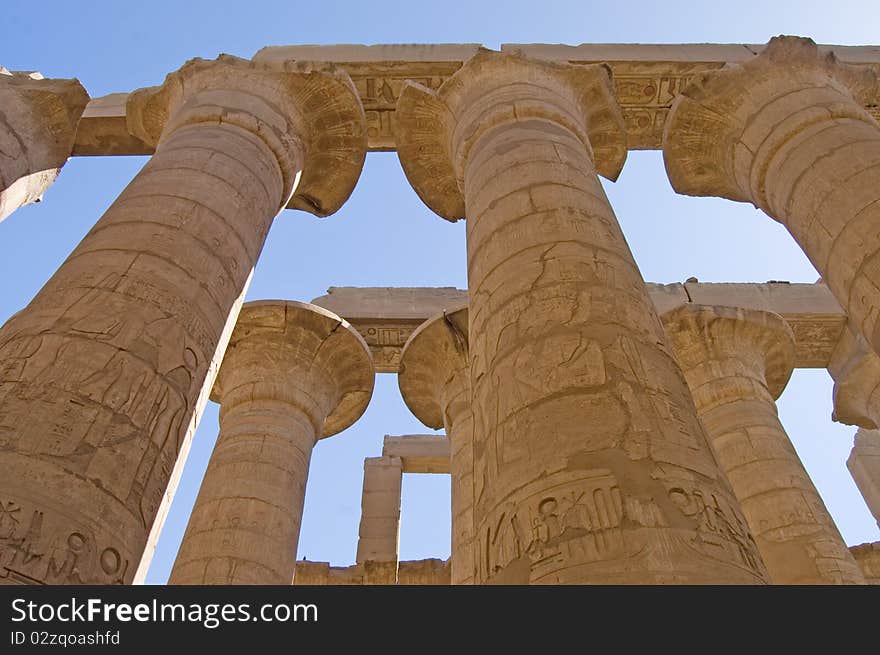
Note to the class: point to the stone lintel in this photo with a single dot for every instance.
(649, 53)
(647, 79)
(386, 317)
(103, 129)
(420, 453)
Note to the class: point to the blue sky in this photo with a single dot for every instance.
(384, 236)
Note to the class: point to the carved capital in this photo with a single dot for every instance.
(308, 113)
(434, 354)
(724, 128)
(38, 119)
(855, 368)
(704, 334)
(435, 130)
(300, 354)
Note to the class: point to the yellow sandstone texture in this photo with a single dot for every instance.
(588, 440)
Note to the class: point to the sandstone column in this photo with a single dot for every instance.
(293, 373)
(868, 558)
(855, 368)
(378, 549)
(104, 374)
(38, 119)
(864, 466)
(434, 379)
(788, 132)
(590, 463)
(737, 362)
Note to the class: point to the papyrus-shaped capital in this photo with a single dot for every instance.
(287, 350)
(37, 130)
(724, 127)
(309, 114)
(436, 130)
(434, 354)
(761, 339)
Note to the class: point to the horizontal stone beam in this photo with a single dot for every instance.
(410, 572)
(420, 453)
(386, 316)
(647, 79)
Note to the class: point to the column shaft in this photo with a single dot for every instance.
(788, 131)
(293, 373)
(245, 524)
(103, 373)
(588, 434)
(586, 438)
(736, 362)
(459, 425)
(103, 376)
(796, 536)
(864, 466)
(379, 532)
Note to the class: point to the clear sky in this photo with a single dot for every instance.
(384, 236)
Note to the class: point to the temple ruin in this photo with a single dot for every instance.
(599, 429)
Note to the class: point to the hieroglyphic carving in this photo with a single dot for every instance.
(31, 552)
(814, 316)
(646, 81)
(379, 88)
(645, 93)
(386, 339)
(580, 512)
(720, 529)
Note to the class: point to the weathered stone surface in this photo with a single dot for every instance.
(379, 533)
(788, 132)
(38, 119)
(425, 572)
(322, 120)
(435, 383)
(414, 572)
(386, 317)
(864, 465)
(105, 373)
(647, 79)
(419, 453)
(292, 374)
(103, 129)
(737, 362)
(589, 458)
(868, 558)
(855, 368)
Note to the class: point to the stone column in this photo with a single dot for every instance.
(788, 132)
(38, 119)
(104, 374)
(293, 373)
(590, 462)
(864, 466)
(434, 379)
(737, 362)
(379, 532)
(868, 558)
(855, 368)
